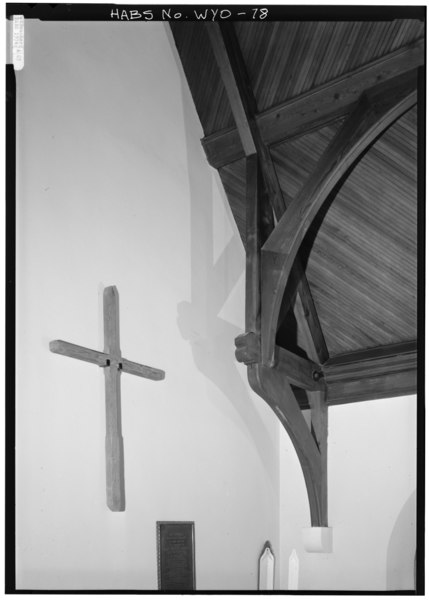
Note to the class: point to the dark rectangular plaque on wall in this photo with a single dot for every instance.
(176, 555)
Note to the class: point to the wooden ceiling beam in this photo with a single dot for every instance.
(315, 108)
(389, 385)
(378, 363)
(372, 374)
(386, 353)
(382, 372)
(229, 58)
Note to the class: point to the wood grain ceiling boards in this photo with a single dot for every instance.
(201, 71)
(298, 56)
(361, 257)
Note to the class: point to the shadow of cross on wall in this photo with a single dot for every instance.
(113, 365)
(210, 336)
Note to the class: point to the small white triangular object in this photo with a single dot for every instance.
(266, 568)
(293, 571)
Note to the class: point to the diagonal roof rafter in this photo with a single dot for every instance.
(233, 71)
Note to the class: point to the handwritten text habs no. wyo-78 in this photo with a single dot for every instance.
(172, 14)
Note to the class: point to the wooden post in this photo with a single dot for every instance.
(115, 487)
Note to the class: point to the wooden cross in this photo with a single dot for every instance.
(113, 364)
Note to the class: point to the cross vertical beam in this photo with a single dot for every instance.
(115, 484)
(113, 364)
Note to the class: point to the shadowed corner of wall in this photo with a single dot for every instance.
(401, 550)
(211, 337)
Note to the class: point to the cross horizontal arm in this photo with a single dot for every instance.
(102, 359)
(74, 351)
(142, 370)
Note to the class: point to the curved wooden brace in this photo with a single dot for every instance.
(377, 110)
(274, 388)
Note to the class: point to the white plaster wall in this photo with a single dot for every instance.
(114, 188)
(371, 500)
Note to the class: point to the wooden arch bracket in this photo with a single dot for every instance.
(273, 268)
(377, 109)
(274, 384)
(272, 371)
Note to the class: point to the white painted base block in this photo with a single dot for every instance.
(317, 539)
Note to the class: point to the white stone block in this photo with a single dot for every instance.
(317, 539)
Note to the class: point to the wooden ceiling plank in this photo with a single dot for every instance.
(315, 108)
(296, 61)
(372, 296)
(351, 250)
(330, 55)
(363, 327)
(347, 44)
(376, 111)
(318, 58)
